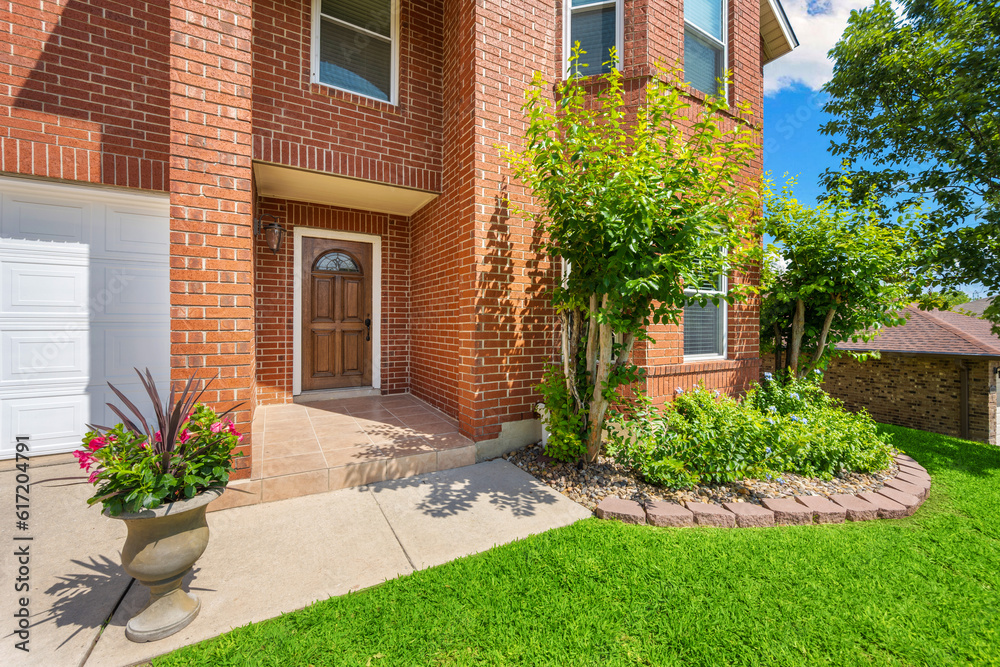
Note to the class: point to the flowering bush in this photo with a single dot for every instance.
(135, 469)
(703, 437)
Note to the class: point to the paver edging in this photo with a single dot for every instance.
(888, 502)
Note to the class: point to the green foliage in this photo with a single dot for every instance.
(129, 473)
(639, 202)
(704, 437)
(838, 273)
(916, 106)
(563, 423)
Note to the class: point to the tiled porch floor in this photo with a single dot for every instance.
(299, 449)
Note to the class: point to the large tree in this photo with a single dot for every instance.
(916, 103)
(640, 204)
(836, 273)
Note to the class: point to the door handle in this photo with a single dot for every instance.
(368, 324)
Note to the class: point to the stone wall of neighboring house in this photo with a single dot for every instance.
(920, 391)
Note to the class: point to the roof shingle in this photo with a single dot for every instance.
(934, 332)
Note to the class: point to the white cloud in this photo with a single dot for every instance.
(818, 32)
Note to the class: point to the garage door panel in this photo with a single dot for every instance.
(100, 396)
(130, 291)
(42, 287)
(50, 219)
(84, 298)
(132, 232)
(119, 349)
(54, 423)
(44, 356)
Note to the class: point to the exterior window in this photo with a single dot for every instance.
(597, 25)
(705, 45)
(337, 261)
(705, 326)
(355, 46)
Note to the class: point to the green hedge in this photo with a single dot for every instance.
(778, 427)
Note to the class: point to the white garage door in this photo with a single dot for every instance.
(84, 297)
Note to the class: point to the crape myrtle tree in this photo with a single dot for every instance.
(639, 204)
(838, 273)
(915, 100)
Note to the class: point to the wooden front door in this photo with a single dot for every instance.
(337, 303)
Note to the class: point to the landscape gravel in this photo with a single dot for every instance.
(590, 484)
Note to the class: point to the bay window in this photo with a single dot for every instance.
(705, 45)
(597, 25)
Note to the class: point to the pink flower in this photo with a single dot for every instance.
(217, 427)
(157, 437)
(184, 436)
(85, 458)
(97, 443)
(94, 475)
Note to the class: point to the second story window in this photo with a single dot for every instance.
(355, 46)
(705, 44)
(597, 25)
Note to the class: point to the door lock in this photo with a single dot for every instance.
(368, 324)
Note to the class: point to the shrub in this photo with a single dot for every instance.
(560, 418)
(705, 437)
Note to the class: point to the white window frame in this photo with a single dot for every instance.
(619, 6)
(712, 40)
(723, 323)
(318, 17)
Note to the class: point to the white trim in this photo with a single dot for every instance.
(724, 43)
(376, 242)
(394, 36)
(723, 326)
(619, 31)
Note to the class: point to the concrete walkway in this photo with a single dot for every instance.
(262, 560)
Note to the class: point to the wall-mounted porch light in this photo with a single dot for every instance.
(274, 233)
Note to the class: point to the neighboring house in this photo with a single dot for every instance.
(305, 196)
(938, 372)
(975, 308)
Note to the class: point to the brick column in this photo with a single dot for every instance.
(211, 263)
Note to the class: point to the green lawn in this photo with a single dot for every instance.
(918, 591)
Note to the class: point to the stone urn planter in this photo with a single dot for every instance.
(161, 548)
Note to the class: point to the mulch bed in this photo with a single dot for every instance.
(590, 484)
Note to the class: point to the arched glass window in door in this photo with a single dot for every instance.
(337, 261)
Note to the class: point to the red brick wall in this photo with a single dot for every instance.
(211, 263)
(84, 91)
(918, 391)
(302, 124)
(274, 293)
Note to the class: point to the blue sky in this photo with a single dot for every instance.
(793, 99)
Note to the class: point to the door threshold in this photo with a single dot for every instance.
(331, 394)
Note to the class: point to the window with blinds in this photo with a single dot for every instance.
(595, 24)
(705, 326)
(705, 45)
(356, 46)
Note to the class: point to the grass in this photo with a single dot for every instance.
(918, 591)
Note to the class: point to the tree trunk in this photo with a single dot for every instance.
(574, 350)
(592, 333)
(777, 348)
(598, 403)
(821, 345)
(798, 328)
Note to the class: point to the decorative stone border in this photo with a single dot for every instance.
(900, 496)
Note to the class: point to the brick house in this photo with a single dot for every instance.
(303, 198)
(938, 372)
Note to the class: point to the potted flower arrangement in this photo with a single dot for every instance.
(159, 481)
